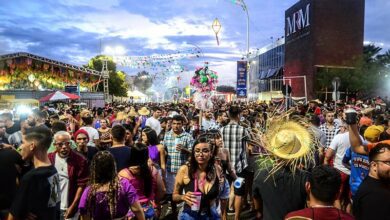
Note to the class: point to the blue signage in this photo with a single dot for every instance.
(241, 79)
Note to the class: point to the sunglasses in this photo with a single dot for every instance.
(82, 139)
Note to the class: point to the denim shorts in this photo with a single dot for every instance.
(188, 214)
(224, 190)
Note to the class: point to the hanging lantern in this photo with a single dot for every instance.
(216, 28)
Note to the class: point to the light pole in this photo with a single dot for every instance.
(216, 28)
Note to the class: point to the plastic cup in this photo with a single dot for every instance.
(239, 182)
(196, 205)
(351, 116)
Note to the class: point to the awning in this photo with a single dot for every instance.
(265, 74)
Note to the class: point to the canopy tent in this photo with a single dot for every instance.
(136, 94)
(58, 95)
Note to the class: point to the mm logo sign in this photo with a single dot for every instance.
(298, 20)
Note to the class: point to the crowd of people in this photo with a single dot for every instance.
(127, 161)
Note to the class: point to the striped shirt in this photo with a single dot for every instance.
(175, 158)
(234, 138)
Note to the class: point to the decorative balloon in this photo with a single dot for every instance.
(204, 82)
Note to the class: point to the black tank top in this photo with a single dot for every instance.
(205, 203)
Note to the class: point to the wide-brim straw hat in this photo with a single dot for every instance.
(289, 140)
(143, 111)
(367, 110)
(132, 112)
(121, 116)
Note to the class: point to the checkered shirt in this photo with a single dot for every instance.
(234, 138)
(329, 133)
(175, 158)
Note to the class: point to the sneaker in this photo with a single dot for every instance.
(230, 212)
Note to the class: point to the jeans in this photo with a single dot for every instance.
(188, 214)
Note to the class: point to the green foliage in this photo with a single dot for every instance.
(117, 82)
(365, 79)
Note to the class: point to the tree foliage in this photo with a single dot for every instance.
(226, 89)
(365, 79)
(143, 81)
(117, 82)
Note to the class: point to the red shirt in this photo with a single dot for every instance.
(319, 213)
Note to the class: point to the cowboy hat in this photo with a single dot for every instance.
(144, 111)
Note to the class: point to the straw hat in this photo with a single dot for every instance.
(132, 112)
(144, 111)
(85, 113)
(367, 110)
(317, 101)
(289, 140)
(120, 116)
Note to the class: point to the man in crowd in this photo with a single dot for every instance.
(178, 145)
(9, 125)
(234, 136)
(207, 121)
(322, 187)
(338, 147)
(38, 196)
(119, 150)
(72, 169)
(37, 118)
(319, 136)
(93, 134)
(10, 167)
(329, 127)
(153, 121)
(372, 200)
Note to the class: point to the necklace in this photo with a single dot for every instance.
(322, 206)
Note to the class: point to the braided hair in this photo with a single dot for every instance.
(103, 171)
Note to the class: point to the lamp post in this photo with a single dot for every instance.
(216, 28)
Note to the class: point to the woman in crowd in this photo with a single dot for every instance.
(227, 174)
(156, 150)
(145, 180)
(198, 177)
(107, 197)
(105, 135)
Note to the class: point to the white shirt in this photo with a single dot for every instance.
(154, 124)
(62, 169)
(340, 144)
(93, 134)
(207, 124)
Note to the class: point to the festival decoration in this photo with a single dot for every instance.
(25, 73)
(216, 28)
(204, 82)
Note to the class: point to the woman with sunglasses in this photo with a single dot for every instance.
(145, 180)
(200, 183)
(107, 197)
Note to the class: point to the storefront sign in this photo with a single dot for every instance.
(298, 21)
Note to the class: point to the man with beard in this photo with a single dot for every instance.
(38, 195)
(372, 200)
(207, 121)
(72, 168)
(37, 119)
(10, 126)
